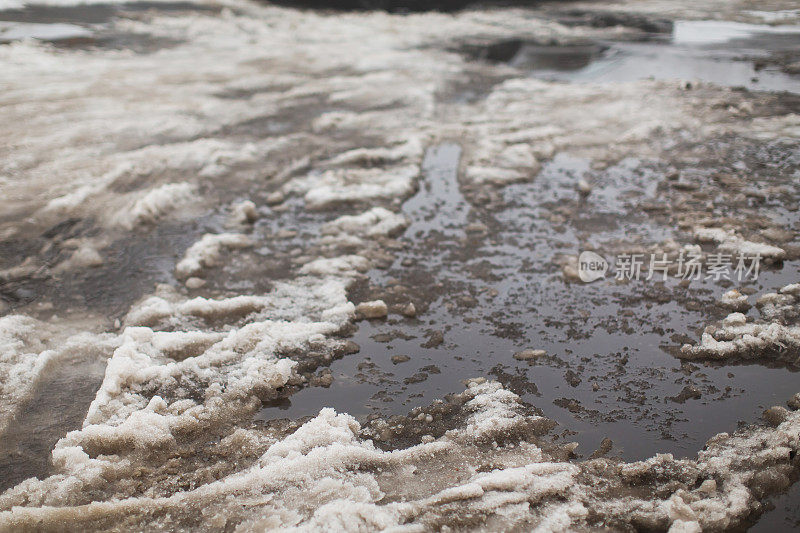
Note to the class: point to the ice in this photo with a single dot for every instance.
(731, 243)
(85, 255)
(374, 309)
(47, 32)
(741, 338)
(155, 203)
(735, 300)
(353, 185)
(29, 347)
(375, 222)
(244, 212)
(705, 32)
(344, 480)
(347, 265)
(205, 252)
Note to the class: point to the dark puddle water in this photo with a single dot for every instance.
(608, 372)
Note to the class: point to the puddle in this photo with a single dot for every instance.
(737, 34)
(92, 13)
(724, 53)
(785, 515)
(59, 405)
(88, 26)
(43, 32)
(608, 372)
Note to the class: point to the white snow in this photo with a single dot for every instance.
(156, 202)
(373, 309)
(352, 185)
(378, 221)
(28, 348)
(205, 252)
(730, 242)
(739, 337)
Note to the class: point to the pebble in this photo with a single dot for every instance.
(285, 234)
(373, 309)
(476, 227)
(529, 355)
(397, 359)
(245, 212)
(195, 283)
(409, 310)
(276, 197)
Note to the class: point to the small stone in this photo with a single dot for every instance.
(529, 355)
(275, 198)
(776, 415)
(373, 309)
(476, 227)
(397, 359)
(195, 283)
(584, 187)
(778, 234)
(245, 212)
(285, 234)
(409, 310)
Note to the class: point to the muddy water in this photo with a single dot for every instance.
(608, 372)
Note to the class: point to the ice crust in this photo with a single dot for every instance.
(28, 347)
(777, 333)
(205, 252)
(326, 476)
(731, 243)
